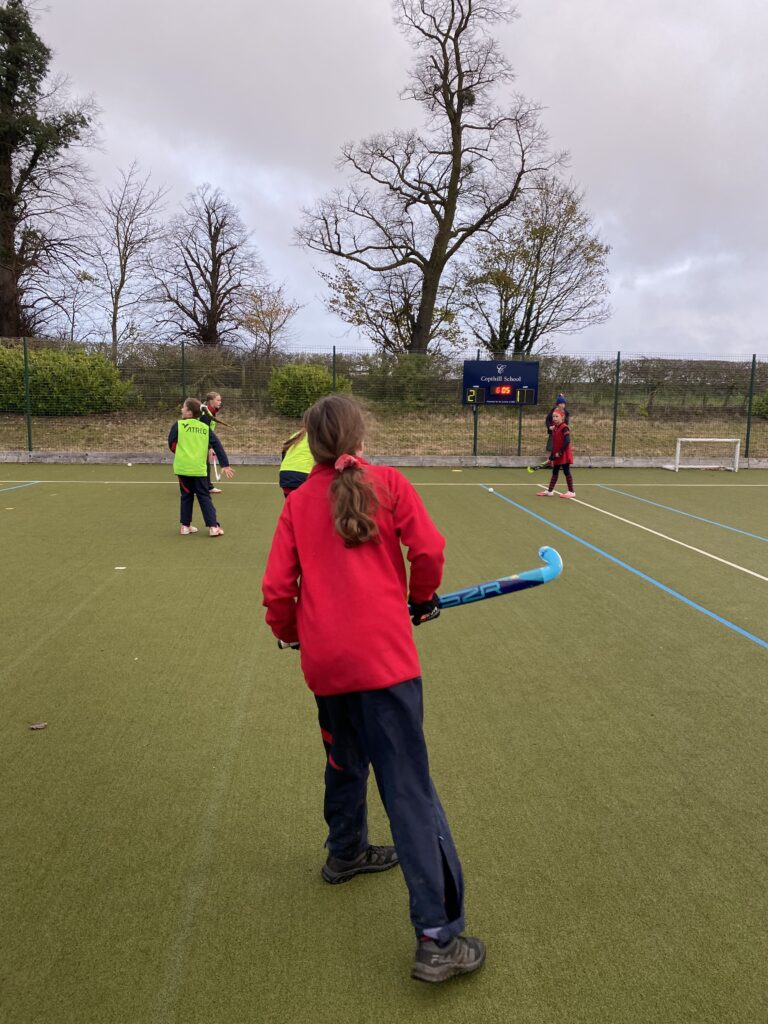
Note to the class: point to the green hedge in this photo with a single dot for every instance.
(293, 389)
(760, 406)
(61, 383)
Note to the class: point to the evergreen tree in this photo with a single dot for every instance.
(36, 130)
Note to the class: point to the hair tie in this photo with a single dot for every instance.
(346, 462)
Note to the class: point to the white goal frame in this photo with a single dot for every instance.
(734, 467)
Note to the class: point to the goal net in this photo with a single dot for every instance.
(707, 453)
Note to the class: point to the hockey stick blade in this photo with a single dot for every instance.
(553, 566)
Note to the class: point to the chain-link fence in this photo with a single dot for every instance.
(57, 398)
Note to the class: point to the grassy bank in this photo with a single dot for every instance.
(407, 433)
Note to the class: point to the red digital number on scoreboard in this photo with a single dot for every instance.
(501, 389)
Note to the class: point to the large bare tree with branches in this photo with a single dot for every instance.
(542, 272)
(204, 271)
(385, 307)
(43, 186)
(127, 230)
(62, 303)
(416, 198)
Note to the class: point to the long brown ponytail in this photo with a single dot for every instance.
(335, 427)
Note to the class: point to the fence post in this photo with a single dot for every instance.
(519, 430)
(27, 395)
(475, 414)
(183, 372)
(333, 367)
(749, 404)
(615, 404)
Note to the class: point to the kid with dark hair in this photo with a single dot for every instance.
(336, 584)
(190, 441)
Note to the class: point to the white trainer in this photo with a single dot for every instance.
(544, 494)
(186, 530)
(568, 494)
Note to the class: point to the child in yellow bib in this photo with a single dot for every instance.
(190, 440)
(297, 462)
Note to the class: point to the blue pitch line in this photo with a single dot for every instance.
(649, 579)
(690, 515)
(19, 486)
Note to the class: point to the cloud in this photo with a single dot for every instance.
(661, 105)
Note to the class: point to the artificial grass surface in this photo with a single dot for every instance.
(599, 748)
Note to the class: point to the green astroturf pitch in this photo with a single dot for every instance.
(599, 745)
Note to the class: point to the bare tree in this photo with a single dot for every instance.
(266, 318)
(416, 198)
(43, 186)
(544, 273)
(384, 307)
(204, 271)
(127, 229)
(64, 304)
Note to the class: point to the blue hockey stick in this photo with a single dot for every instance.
(553, 566)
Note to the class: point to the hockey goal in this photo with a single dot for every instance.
(707, 453)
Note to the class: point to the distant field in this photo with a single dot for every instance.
(405, 433)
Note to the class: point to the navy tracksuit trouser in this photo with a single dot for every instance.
(189, 486)
(383, 728)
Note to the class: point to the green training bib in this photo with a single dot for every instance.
(298, 458)
(191, 457)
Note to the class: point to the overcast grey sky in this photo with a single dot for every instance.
(663, 106)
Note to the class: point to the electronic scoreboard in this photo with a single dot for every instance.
(500, 383)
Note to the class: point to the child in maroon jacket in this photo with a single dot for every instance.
(336, 585)
(562, 455)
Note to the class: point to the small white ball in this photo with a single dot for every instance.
(129, 463)
(490, 489)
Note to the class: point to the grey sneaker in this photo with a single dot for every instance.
(375, 858)
(433, 963)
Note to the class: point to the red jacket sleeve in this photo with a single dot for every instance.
(423, 541)
(280, 585)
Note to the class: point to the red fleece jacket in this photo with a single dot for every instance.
(562, 453)
(348, 606)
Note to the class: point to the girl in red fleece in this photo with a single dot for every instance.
(562, 455)
(336, 585)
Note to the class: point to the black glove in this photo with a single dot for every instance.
(424, 611)
(285, 645)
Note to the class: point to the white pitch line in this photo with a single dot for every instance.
(656, 533)
(166, 483)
